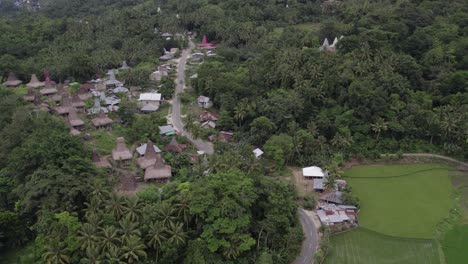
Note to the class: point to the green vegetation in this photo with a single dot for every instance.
(408, 206)
(362, 246)
(454, 245)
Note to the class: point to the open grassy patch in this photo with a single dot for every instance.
(455, 245)
(408, 206)
(361, 246)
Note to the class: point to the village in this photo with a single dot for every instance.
(89, 107)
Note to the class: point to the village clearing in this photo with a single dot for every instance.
(402, 200)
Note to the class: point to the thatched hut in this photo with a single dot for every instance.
(12, 81)
(150, 157)
(73, 119)
(35, 83)
(159, 172)
(100, 162)
(121, 152)
(102, 120)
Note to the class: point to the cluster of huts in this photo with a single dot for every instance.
(331, 209)
(148, 159)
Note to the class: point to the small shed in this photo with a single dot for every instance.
(100, 162)
(258, 153)
(174, 146)
(167, 130)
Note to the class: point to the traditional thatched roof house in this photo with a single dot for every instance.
(97, 108)
(100, 162)
(48, 90)
(159, 172)
(29, 97)
(73, 118)
(102, 120)
(85, 91)
(12, 81)
(174, 146)
(77, 102)
(35, 83)
(141, 150)
(112, 82)
(65, 105)
(149, 158)
(124, 66)
(121, 152)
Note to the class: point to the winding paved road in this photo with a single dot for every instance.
(309, 245)
(207, 147)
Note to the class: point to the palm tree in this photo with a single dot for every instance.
(166, 214)
(341, 141)
(108, 238)
(99, 191)
(87, 237)
(133, 210)
(112, 256)
(176, 233)
(92, 256)
(329, 184)
(56, 253)
(183, 208)
(94, 219)
(128, 228)
(133, 249)
(93, 207)
(116, 205)
(379, 126)
(156, 236)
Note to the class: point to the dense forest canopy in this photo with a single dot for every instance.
(397, 83)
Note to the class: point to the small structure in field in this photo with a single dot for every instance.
(121, 152)
(174, 146)
(12, 81)
(159, 172)
(35, 83)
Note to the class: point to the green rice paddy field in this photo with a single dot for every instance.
(408, 206)
(401, 206)
(361, 246)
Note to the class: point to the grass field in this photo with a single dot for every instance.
(408, 206)
(365, 247)
(455, 245)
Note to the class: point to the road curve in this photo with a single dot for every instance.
(207, 147)
(309, 246)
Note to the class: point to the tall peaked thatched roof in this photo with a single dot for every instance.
(150, 157)
(35, 83)
(101, 120)
(12, 81)
(77, 102)
(124, 66)
(159, 171)
(112, 80)
(73, 118)
(100, 162)
(29, 97)
(65, 105)
(121, 152)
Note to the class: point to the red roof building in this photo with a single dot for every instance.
(174, 146)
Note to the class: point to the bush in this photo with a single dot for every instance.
(310, 201)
